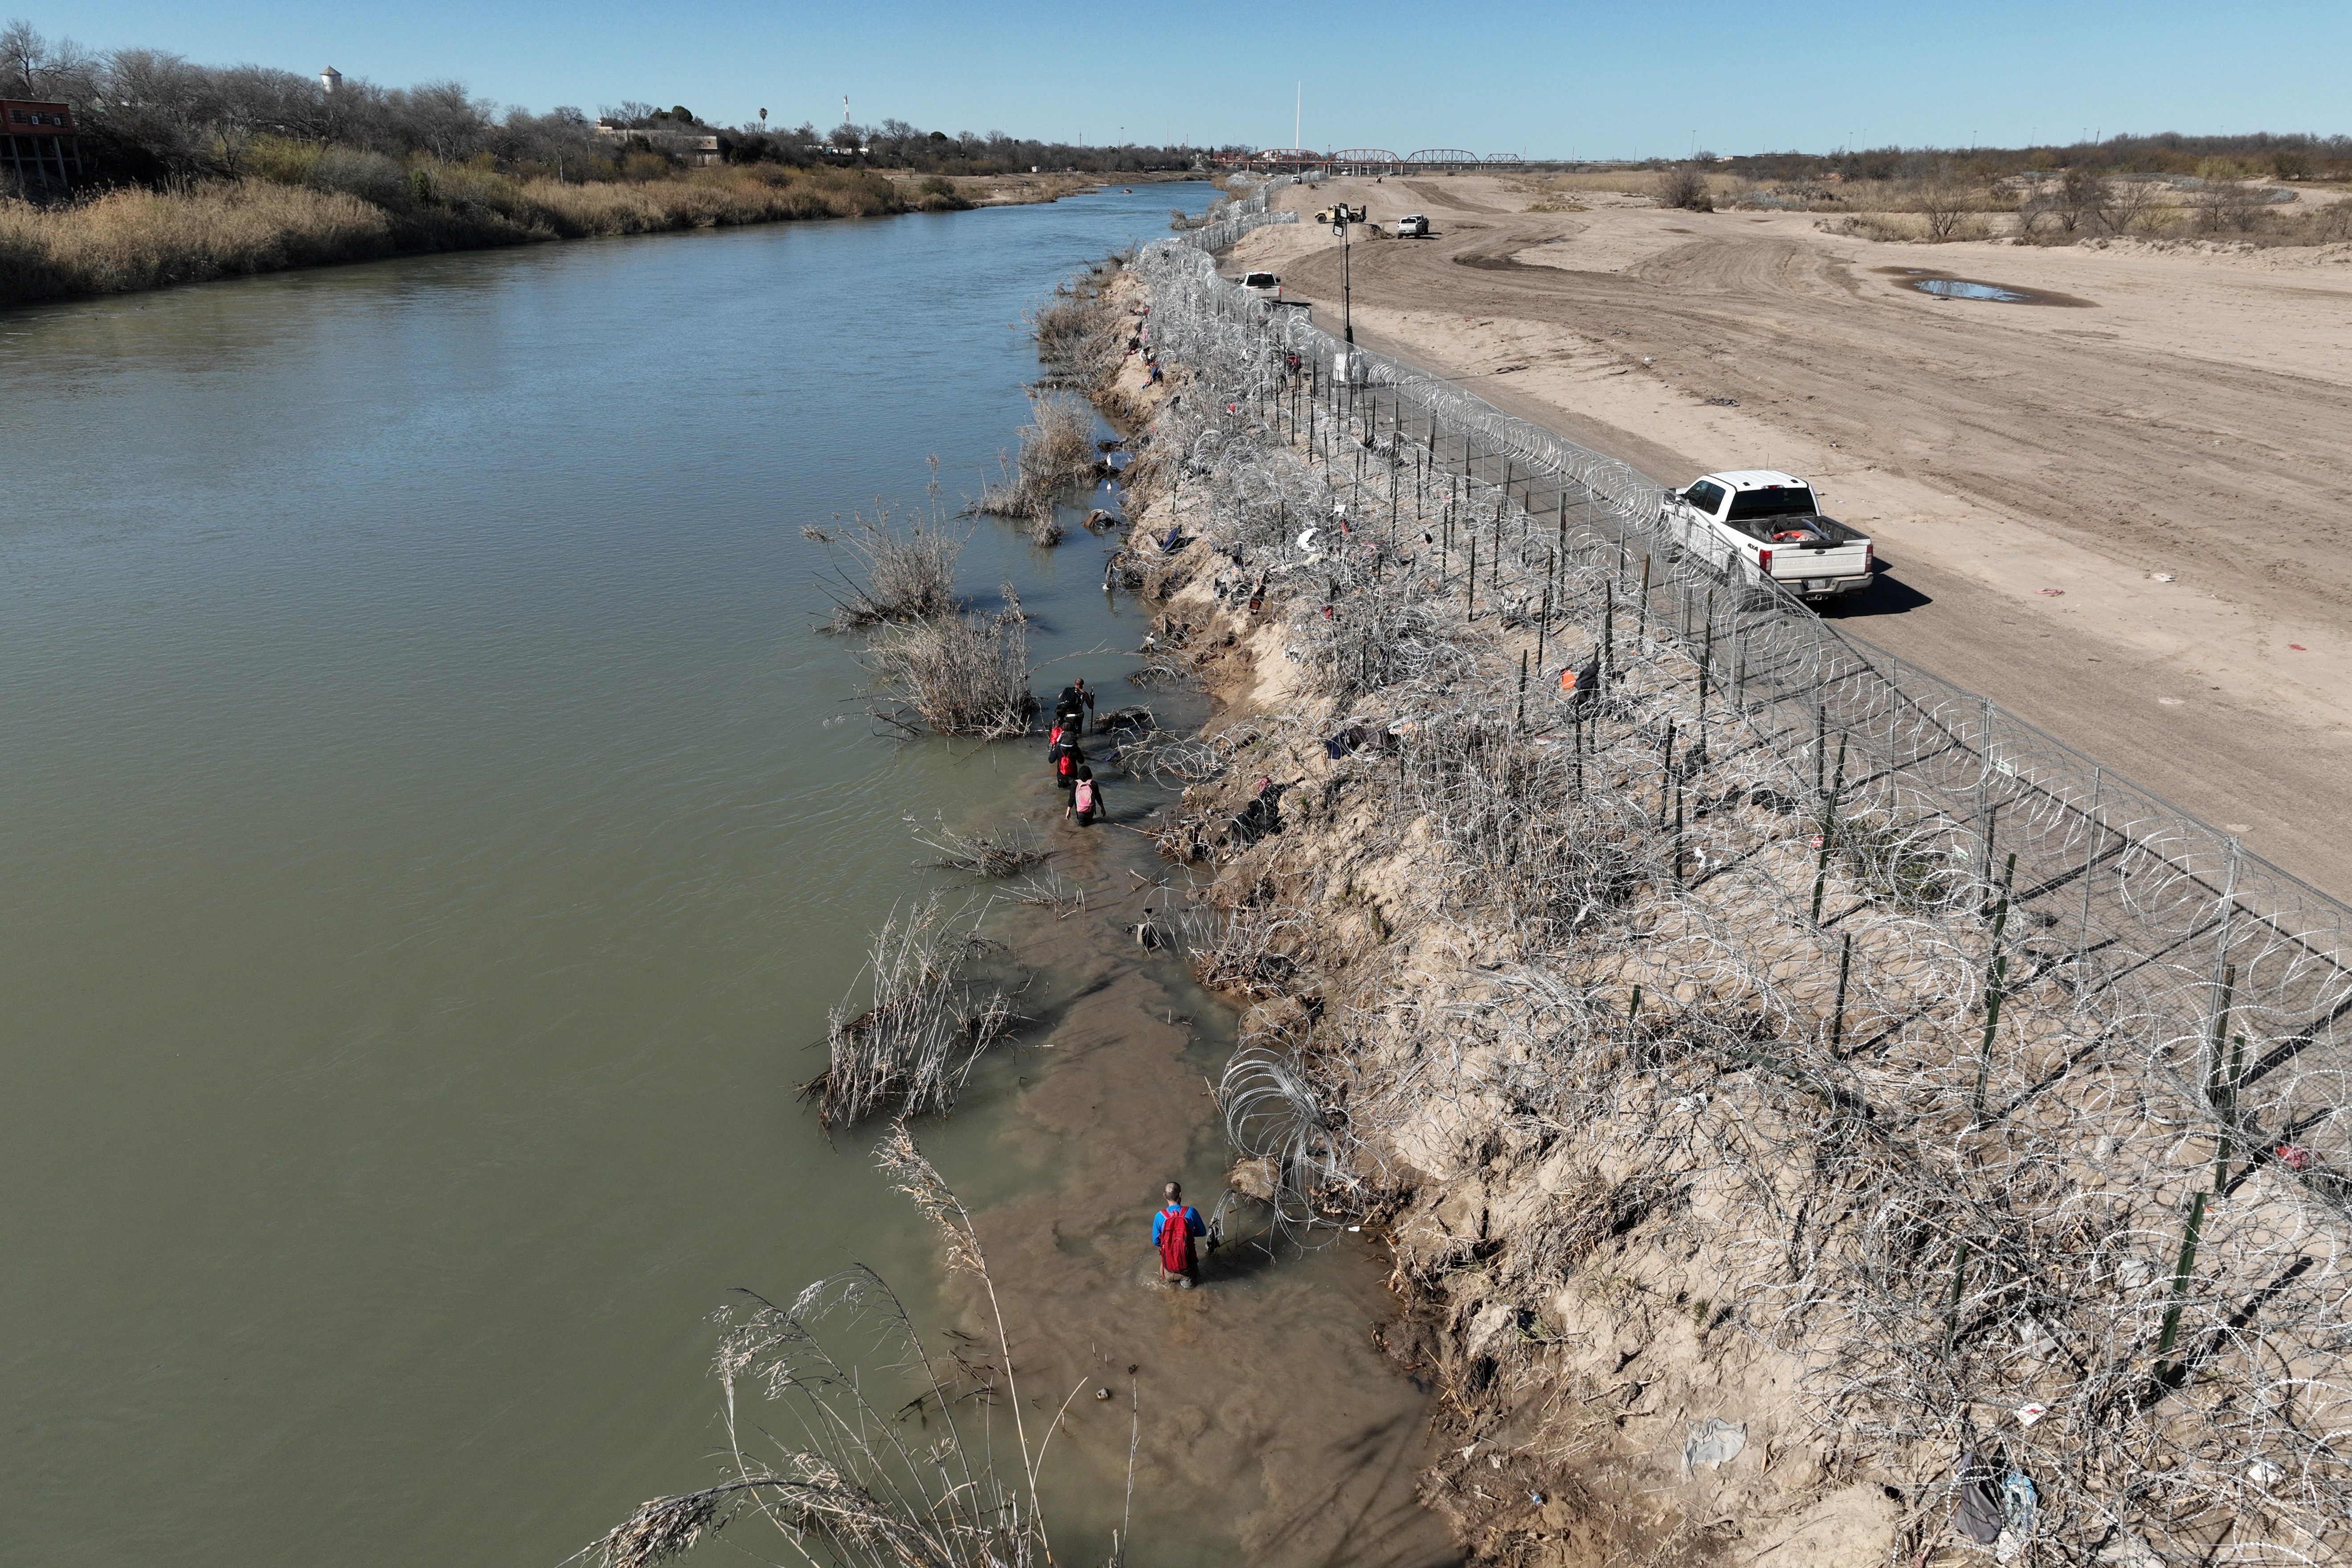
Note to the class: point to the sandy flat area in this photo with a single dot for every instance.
(2186, 414)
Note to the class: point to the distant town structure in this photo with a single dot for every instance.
(330, 80)
(39, 146)
(694, 146)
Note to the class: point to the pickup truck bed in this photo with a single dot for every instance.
(1767, 521)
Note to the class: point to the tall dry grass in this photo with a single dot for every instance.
(965, 674)
(909, 575)
(1057, 454)
(319, 211)
(930, 1019)
(710, 198)
(128, 240)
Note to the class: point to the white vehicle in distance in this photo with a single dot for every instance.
(1771, 522)
(1262, 286)
(1413, 226)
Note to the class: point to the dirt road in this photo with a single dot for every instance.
(2031, 471)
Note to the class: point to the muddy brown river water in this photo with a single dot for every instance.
(436, 831)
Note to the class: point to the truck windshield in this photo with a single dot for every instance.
(1259, 280)
(1787, 501)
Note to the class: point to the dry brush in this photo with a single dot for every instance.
(1711, 1017)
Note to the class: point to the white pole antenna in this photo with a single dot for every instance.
(1297, 112)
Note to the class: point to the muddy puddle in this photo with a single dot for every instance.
(1267, 1427)
(1942, 286)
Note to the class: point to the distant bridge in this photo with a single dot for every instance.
(1367, 161)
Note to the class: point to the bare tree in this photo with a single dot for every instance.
(2229, 204)
(1944, 204)
(2129, 203)
(23, 52)
(2082, 197)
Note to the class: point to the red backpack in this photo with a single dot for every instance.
(1065, 766)
(1175, 1239)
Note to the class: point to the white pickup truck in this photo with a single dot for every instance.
(1771, 522)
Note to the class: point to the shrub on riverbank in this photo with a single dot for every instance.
(353, 207)
(964, 674)
(1058, 454)
(908, 576)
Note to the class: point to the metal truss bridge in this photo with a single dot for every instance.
(1367, 161)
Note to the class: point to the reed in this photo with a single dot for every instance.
(343, 207)
(893, 573)
(930, 1020)
(978, 853)
(1058, 454)
(131, 239)
(845, 1473)
(960, 674)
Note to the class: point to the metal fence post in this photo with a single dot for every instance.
(2090, 866)
(1984, 787)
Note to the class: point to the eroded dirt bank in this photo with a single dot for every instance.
(1729, 1212)
(2029, 471)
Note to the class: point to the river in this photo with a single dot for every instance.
(435, 829)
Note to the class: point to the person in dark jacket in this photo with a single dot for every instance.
(1071, 707)
(1066, 760)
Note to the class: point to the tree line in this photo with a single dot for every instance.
(2255, 155)
(147, 117)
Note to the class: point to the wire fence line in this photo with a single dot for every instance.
(2179, 932)
(2124, 1201)
(1230, 217)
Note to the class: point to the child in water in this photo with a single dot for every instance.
(1085, 798)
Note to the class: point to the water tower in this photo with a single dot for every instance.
(330, 80)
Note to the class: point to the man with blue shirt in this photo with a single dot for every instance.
(1173, 1230)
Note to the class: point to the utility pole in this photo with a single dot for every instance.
(1347, 289)
(1346, 281)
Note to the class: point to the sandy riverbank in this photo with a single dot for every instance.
(2187, 421)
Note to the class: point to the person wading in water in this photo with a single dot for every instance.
(1173, 1230)
(1085, 798)
(1071, 707)
(1066, 760)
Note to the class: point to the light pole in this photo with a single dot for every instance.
(1346, 281)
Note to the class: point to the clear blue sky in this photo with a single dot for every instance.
(1628, 80)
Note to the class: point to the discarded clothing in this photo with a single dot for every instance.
(1577, 686)
(1979, 1516)
(1713, 1442)
(1357, 738)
